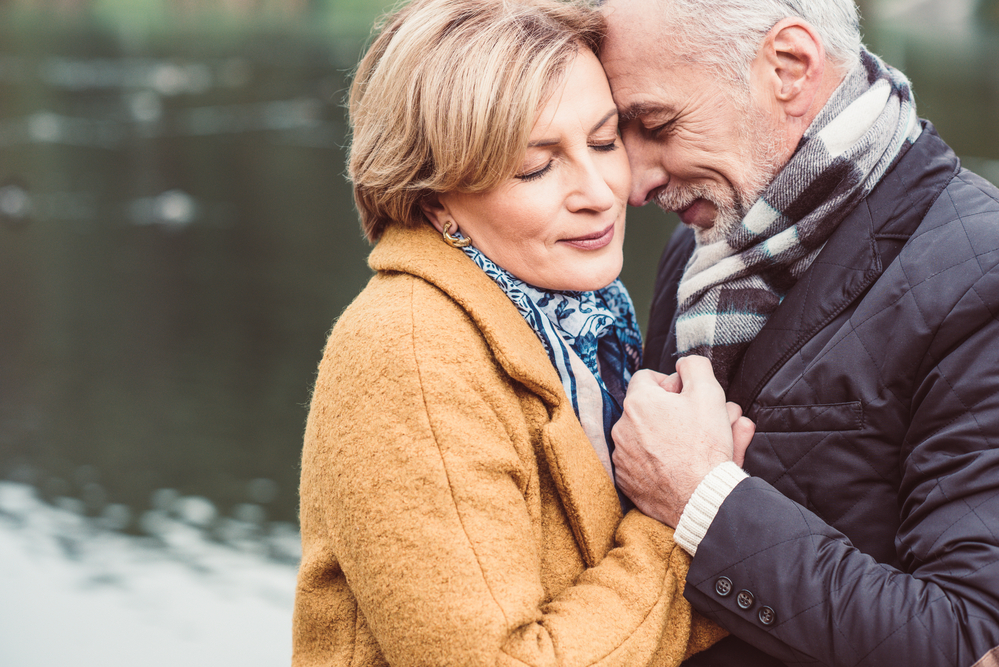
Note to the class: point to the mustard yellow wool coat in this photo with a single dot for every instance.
(453, 512)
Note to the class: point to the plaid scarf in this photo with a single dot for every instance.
(730, 288)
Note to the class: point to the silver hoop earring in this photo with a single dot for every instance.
(454, 241)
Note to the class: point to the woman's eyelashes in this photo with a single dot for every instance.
(536, 174)
(600, 147)
(605, 147)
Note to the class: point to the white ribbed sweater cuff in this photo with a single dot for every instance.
(705, 503)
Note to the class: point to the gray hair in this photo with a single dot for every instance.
(725, 35)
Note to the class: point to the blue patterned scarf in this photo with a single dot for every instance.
(592, 340)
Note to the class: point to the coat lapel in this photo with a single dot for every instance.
(587, 493)
(844, 269)
(850, 262)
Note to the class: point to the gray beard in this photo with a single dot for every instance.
(767, 157)
(729, 213)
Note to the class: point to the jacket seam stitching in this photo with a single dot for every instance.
(430, 423)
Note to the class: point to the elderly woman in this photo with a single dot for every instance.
(457, 502)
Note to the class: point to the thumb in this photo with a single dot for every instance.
(698, 377)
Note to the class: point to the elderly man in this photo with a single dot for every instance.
(840, 270)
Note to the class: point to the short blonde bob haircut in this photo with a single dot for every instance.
(447, 95)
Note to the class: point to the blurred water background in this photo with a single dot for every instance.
(176, 238)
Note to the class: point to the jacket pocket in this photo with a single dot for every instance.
(805, 418)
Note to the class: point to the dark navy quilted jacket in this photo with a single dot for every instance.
(868, 533)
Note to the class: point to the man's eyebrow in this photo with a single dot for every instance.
(633, 111)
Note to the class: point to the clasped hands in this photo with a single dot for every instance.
(675, 429)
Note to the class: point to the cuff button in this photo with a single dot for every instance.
(745, 599)
(767, 616)
(723, 586)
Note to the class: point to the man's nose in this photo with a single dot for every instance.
(647, 173)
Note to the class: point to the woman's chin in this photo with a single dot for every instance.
(582, 281)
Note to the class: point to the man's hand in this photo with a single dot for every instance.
(674, 431)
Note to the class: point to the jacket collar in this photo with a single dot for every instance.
(421, 252)
(850, 262)
(588, 495)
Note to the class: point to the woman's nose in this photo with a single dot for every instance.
(593, 190)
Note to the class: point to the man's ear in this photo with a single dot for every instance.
(792, 66)
(435, 210)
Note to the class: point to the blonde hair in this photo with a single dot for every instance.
(447, 95)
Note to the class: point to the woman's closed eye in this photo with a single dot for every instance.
(536, 174)
(605, 147)
(600, 145)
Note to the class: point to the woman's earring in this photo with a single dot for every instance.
(454, 241)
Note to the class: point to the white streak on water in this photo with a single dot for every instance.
(75, 593)
(146, 119)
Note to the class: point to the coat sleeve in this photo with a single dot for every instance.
(833, 605)
(421, 488)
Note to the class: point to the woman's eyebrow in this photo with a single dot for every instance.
(610, 114)
(541, 143)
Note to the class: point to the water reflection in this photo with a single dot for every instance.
(173, 208)
(76, 591)
(176, 238)
(146, 114)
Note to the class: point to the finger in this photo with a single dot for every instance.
(656, 375)
(646, 381)
(743, 430)
(698, 377)
(644, 378)
(734, 412)
(671, 383)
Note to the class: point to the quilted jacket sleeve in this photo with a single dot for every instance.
(832, 604)
(416, 473)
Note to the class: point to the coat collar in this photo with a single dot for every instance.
(588, 495)
(421, 252)
(850, 262)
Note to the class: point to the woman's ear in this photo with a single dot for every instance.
(435, 211)
(790, 67)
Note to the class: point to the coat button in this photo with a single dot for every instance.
(723, 586)
(767, 616)
(745, 599)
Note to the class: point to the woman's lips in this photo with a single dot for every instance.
(592, 241)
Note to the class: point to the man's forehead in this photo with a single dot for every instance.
(635, 50)
(653, 85)
(632, 22)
